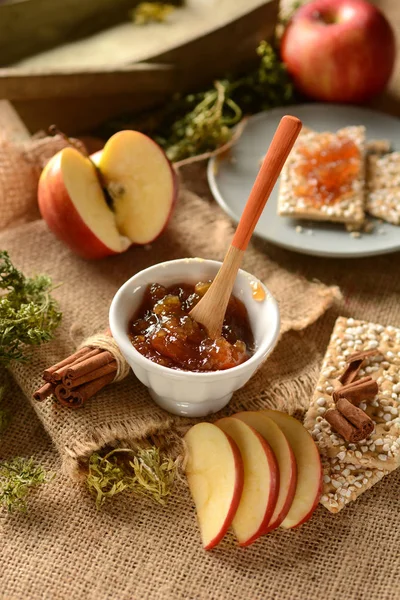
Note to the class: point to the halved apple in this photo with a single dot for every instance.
(214, 470)
(138, 178)
(261, 481)
(285, 459)
(72, 203)
(309, 469)
(142, 183)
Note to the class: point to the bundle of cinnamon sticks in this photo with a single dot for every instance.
(79, 377)
(347, 419)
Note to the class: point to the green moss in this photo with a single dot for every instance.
(28, 313)
(18, 477)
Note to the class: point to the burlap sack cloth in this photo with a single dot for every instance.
(133, 549)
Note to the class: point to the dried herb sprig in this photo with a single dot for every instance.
(17, 478)
(201, 122)
(145, 472)
(28, 313)
(151, 12)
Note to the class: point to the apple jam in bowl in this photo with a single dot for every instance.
(164, 331)
(186, 372)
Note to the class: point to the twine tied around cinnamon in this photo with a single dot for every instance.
(105, 342)
(97, 363)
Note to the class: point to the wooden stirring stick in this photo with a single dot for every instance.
(210, 310)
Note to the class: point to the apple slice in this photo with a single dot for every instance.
(142, 183)
(309, 469)
(214, 470)
(285, 459)
(72, 203)
(261, 481)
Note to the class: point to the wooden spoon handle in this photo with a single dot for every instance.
(281, 145)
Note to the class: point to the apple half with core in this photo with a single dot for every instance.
(309, 469)
(280, 446)
(214, 471)
(261, 481)
(139, 180)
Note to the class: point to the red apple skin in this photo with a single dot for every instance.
(339, 50)
(289, 499)
(237, 494)
(62, 218)
(96, 159)
(273, 495)
(308, 516)
(293, 479)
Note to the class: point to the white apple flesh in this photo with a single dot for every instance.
(309, 469)
(214, 471)
(283, 452)
(141, 182)
(261, 481)
(72, 203)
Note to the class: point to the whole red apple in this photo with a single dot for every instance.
(339, 50)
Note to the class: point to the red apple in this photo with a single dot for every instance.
(309, 469)
(275, 437)
(261, 481)
(72, 203)
(142, 183)
(214, 470)
(339, 50)
(139, 179)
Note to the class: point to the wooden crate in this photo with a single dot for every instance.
(29, 26)
(78, 100)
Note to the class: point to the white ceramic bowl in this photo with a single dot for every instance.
(182, 392)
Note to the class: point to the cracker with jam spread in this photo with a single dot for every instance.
(324, 177)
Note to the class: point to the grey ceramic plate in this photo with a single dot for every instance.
(231, 181)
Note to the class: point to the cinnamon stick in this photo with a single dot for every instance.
(355, 361)
(89, 364)
(70, 382)
(67, 361)
(57, 376)
(362, 355)
(362, 390)
(357, 417)
(42, 393)
(351, 372)
(342, 426)
(74, 398)
(67, 397)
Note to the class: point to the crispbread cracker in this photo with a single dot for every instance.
(294, 199)
(383, 186)
(378, 147)
(343, 482)
(382, 449)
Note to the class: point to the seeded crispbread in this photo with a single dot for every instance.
(344, 482)
(347, 208)
(383, 186)
(378, 147)
(382, 448)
